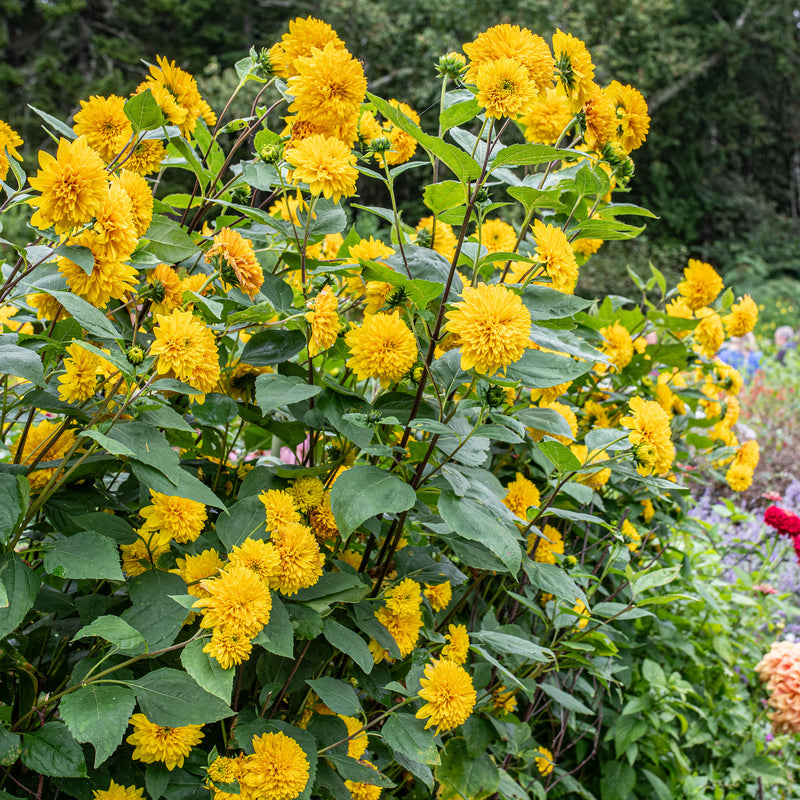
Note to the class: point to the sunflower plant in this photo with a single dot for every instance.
(288, 512)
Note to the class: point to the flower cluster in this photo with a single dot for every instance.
(780, 670)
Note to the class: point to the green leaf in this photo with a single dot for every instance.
(458, 114)
(363, 492)
(206, 670)
(273, 391)
(476, 522)
(93, 321)
(22, 586)
(419, 290)
(277, 636)
(273, 346)
(52, 751)
(84, 555)
(154, 613)
(350, 643)
(245, 518)
(618, 780)
(650, 580)
(606, 439)
(56, 124)
(98, 714)
(464, 167)
(539, 370)
(545, 303)
(406, 734)
(216, 409)
(337, 695)
(463, 774)
(442, 196)
(82, 256)
(358, 772)
(562, 458)
(21, 363)
(180, 483)
(505, 643)
(14, 499)
(552, 579)
(171, 698)
(565, 699)
(144, 112)
(168, 241)
(107, 443)
(531, 197)
(334, 587)
(116, 631)
(606, 229)
(526, 154)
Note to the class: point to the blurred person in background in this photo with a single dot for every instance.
(784, 341)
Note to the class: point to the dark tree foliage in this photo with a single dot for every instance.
(721, 165)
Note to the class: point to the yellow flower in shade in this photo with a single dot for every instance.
(117, 791)
(493, 326)
(709, 334)
(401, 144)
(404, 628)
(457, 647)
(166, 289)
(554, 251)
(229, 648)
(72, 186)
(329, 86)
(546, 118)
(181, 519)
(449, 694)
(10, 140)
(544, 546)
(325, 164)
(583, 614)
(504, 700)
(300, 559)
(322, 521)
(632, 537)
(382, 347)
(144, 553)
(186, 347)
(113, 236)
(177, 94)
(632, 116)
(280, 507)
(79, 383)
(138, 191)
(574, 68)
(277, 769)
(6, 314)
(258, 556)
(586, 247)
(600, 116)
(498, 236)
(504, 89)
(596, 415)
(594, 478)
(404, 598)
(168, 745)
(650, 436)
(364, 791)
(145, 157)
(324, 321)
(194, 569)
(439, 595)
(41, 438)
(370, 250)
(304, 35)
(648, 509)
(439, 237)
(307, 492)
(237, 602)
(521, 494)
(103, 122)
(511, 41)
(743, 317)
(237, 261)
(618, 345)
(375, 296)
(550, 394)
(701, 284)
(108, 280)
(544, 762)
(327, 249)
(227, 770)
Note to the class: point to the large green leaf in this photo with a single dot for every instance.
(473, 520)
(277, 636)
(116, 631)
(350, 643)
(95, 322)
(545, 303)
(168, 241)
(363, 492)
(14, 499)
(85, 554)
(144, 112)
(21, 363)
(407, 734)
(171, 698)
(206, 670)
(52, 751)
(463, 774)
(154, 613)
(22, 586)
(539, 370)
(513, 645)
(98, 714)
(528, 154)
(273, 346)
(273, 390)
(247, 518)
(337, 695)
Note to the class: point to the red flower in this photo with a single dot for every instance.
(784, 522)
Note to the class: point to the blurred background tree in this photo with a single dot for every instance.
(721, 166)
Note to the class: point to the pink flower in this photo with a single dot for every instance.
(765, 588)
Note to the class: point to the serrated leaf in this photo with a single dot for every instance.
(407, 734)
(21, 363)
(22, 586)
(207, 671)
(168, 241)
(144, 112)
(350, 643)
(85, 554)
(52, 751)
(98, 714)
(95, 322)
(273, 391)
(116, 631)
(337, 695)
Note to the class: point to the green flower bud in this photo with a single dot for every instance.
(135, 355)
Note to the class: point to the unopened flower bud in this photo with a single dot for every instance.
(135, 355)
(270, 153)
(380, 145)
(451, 65)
